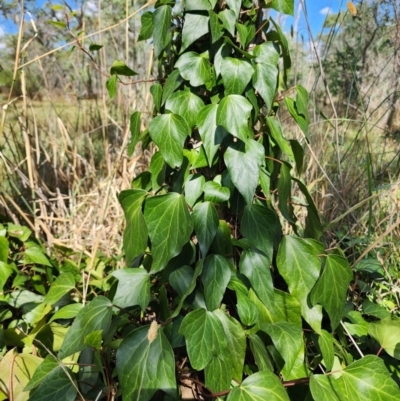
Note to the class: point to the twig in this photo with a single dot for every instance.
(352, 339)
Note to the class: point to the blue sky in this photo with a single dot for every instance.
(316, 9)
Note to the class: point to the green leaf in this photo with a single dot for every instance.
(134, 127)
(331, 289)
(288, 340)
(215, 278)
(211, 134)
(36, 255)
(45, 368)
(145, 363)
(157, 168)
(264, 81)
(194, 188)
(300, 120)
(236, 343)
(61, 286)
(67, 312)
(173, 81)
(215, 26)
(247, 309)
(170, 226)
(236, 74)
(322, 388)
(180, 279)
(161, 25)
(218, 374)
(156, 92)
(198, 5)
(194, 67)
(35, 314)
(94, 339)
(146, 28)
(358, 326)
(283, 6)
(118, 67)
(205, 337)
(111, 86)
(259, 386)
(298, 263)
(5, 273)
(233, 113)
(243, 161)
(196, 25)
(135, 234)
(20, 232)
(214, 192)
(325, 342)
(255, 266)
(275, 130)
(261, 227)
(205, 221)
(298, 154)
(243, 34)
(169, 132)
(4, 248)
(228, 19)
(302, 102)
(133, 288)
(387, 333)
(261, 356)
(235, 6)
(372, 309)
(267, 52)
(96, 315)
(58, 24)
(285, 193)
(186, 104)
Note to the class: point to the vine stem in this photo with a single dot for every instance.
(352, 339)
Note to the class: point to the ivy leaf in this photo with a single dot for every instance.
(331, 289)
(322, 388)
(4, 248)
(215, 278)
(243, 161)
(63, 284)
(45, 368)
(259, 386)
(325, 342)
(233, 113)
(264, 81)
(216, 193)
(205, 337)
(215, 26)
(275, 130)
(161, 25)
(284, 191)
(186, 104)
(260, 226)
(134, 127)
(211, 134)
(169, 132)
(170, 226)
(157, 169)
(180, 279)
(387, 333)
(198, 5)
(255, 266)
(118, 67)
(261, 356)
(235, 6)
(173, 81)
(196, 25)
(300, 120)
(194, 188)
(283, 6)
(194, 67)
(145, 363)
(146, 28)
(96, 315)
(218, 374)
(228, 18)
(205, 221)
(156, 92)
(298, 263)
(236, 74)
(288, 340)
(243, 34)
(236, 341)
(267, 52)
(135, 234)
(111, 86)
(247, 310)
(133, 288)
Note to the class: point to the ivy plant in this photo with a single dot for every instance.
(215, 300)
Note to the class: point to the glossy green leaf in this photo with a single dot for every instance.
(37, 313)
(211, 134)
(111, 86)
(236, 74)
(170, 226)
(215, 26)
(387, 333)
(186, 104)
(261, 227)
(169, 132)
(233, 113)
(157, 168)
(67, 312)
(145, 363)
(118, 67)
(256, 267)
(96, 315)
(215, 278)
(247, 309)
(228, 19)
(173, 81)
(298, 155)
(133, 288)
(36, 255)
(161, 25)
(61, 286)
(180, 279)
(358, 326)
(275, 130)
(135, 234)
(45, 368)
(196, 25)
(283, 6)
(260, 353)
(298, 263)
(93, 47)
(156, 92)
(267, 52)
(194, 67)
(264, 81)
(325, 342)
(214, 192)
(194, 188)
(372, 309)
(259, 386)
(20, 232)
(322, 388)
(242, 33)
(205, 337)
(218, 374)
(288, 340)
(236, 343)
(134, 126)
(243, 161)
(5, 273)
(331, 289)
(285, 193)
(234, 5)
(205, 221)
(4, 247)
(146, 28)
(198, 5)
(300, 120)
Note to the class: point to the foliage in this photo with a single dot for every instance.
(214, 297)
